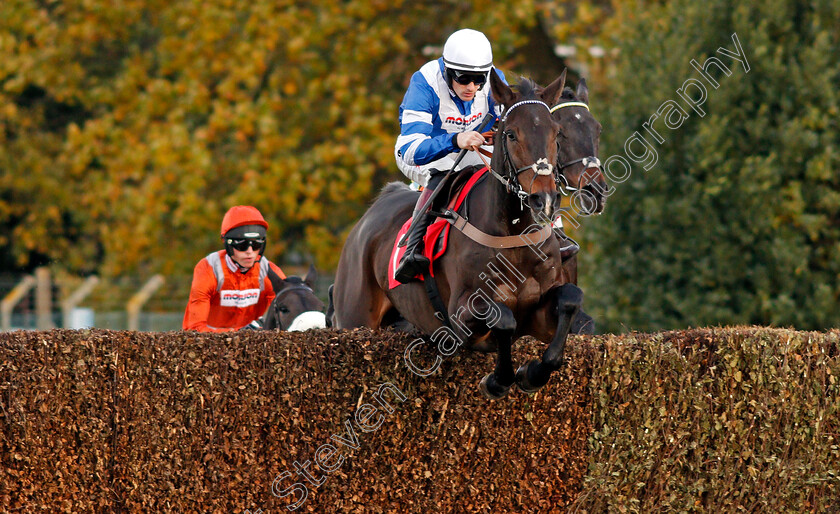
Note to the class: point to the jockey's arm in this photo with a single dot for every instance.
(415, 145)
(198, 306)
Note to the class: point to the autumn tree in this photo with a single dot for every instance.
(130, 128)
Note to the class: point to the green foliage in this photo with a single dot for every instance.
(739, 221)
(729, 420)
(129, 129)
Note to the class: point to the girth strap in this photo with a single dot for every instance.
(482, 238)
(433, 293)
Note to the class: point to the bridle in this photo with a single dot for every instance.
(588, 162)
(510, 173)
(283, 292)
(508, 178)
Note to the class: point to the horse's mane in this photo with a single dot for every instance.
(295, 280)
(568, 95)
(528, 88)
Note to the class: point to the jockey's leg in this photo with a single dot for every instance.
(413, 261)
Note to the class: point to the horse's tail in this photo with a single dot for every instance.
(330, 309)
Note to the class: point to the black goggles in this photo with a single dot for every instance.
(243, 244)
(464, 78)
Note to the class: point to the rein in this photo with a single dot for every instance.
(512, 185)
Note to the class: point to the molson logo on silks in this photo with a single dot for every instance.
(239, 298)
(462, 121)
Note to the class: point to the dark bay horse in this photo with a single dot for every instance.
(494, 291)
(295, 305)
(581, 175)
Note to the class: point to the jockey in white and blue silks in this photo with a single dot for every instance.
(432, 114)
(431, 117)
(440, 115)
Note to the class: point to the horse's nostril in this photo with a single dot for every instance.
(536, 201)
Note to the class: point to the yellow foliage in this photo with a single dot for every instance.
(137, 124)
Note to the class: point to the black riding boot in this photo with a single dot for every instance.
(413, 262)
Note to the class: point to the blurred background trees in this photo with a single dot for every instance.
(739, 221)
(128, 129)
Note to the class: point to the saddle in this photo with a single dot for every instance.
(437, 235)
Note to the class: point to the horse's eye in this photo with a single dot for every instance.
(284, 309)
(510, 135)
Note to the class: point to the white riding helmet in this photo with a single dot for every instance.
(468, 50)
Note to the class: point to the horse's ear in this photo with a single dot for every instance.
(311, 277)
(551, 94)
(276, 281)
(582, 91)
(502, 94)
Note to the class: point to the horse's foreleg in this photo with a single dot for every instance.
(497, 384)
(532, 376)
(583, 324)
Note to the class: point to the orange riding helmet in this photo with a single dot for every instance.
(243, 222)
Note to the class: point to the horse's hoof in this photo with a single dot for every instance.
(490, 389)
(522, 379)
(569, 297)
(583, 324)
